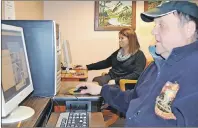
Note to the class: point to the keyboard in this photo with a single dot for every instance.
(73, 119)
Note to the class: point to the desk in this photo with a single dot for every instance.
(95, 120)
(63, 96)
(40, 106)
(67, 85)
(72, 77)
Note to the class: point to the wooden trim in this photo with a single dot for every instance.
(133, 15)
(145, 5)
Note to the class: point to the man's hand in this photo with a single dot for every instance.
(111, 82)
(92, 88)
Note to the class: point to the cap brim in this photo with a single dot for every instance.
(150, 15)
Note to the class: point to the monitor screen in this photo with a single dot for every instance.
(16, 81)
(57, 37)
(14, 69)
(67, 57)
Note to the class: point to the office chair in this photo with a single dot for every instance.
(113, 117)
(127, 82)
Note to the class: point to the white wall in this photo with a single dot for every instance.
(26, 10)
(76, 19)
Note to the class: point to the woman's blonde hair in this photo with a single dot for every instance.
(132, 37)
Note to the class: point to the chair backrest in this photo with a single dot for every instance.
(130, 84)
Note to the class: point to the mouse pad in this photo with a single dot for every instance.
(71, 91)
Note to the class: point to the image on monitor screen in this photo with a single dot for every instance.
(14, 69)
(67, 58)
(16, 81)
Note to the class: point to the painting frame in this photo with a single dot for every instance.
(97, 27)
(146, 4)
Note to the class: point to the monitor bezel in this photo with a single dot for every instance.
(9, 106)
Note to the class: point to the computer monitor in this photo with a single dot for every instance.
(16, 82)
(67, 59)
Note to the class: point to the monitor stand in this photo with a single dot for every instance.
(18, 114)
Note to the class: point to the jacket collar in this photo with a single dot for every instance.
(157, 58)
(176, 55)
(180, 52)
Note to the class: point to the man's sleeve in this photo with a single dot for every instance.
(117, 98)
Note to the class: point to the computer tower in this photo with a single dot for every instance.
(42, 38)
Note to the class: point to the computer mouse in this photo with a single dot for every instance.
(80, 89)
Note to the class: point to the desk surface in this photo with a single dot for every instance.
(66, 86)
(95, 120)
(39, 105)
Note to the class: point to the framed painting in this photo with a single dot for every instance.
(151, 4)
(114, 15)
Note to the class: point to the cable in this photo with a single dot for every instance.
(70, 107)
(47, 116)
(76, 97)
(77, 100)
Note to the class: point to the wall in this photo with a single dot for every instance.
(76, 19)
(27, 10)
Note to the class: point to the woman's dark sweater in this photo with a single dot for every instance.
(128, 69)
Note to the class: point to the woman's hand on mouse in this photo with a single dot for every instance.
(92, 88)
(80, 67)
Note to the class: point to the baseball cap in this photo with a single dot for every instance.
(167, 7)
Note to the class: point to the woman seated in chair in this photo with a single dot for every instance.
(127, 62)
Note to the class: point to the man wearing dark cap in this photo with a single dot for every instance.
(167, 91)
